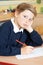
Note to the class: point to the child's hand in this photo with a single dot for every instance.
(28, 26)
(26, 50)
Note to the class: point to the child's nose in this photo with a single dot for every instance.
(27, 20)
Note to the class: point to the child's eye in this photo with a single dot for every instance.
(30, 19)
(25, 16)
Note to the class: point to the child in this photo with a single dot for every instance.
(11, 32)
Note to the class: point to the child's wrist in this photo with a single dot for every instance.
(30, 30)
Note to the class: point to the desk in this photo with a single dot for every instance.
(13, 59)
(31, 61)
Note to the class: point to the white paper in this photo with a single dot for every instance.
(35, 53)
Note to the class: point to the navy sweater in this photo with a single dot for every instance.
(8, 44)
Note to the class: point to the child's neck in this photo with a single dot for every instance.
(17, 25)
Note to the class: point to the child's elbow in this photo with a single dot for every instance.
(40, 42)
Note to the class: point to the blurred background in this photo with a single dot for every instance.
(10, 4)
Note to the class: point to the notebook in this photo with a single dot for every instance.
(35, 53)
(4, 63)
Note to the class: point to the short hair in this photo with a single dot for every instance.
(25, 6)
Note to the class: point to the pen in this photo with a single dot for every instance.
(21, 43)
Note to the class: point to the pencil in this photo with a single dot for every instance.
(21, 43)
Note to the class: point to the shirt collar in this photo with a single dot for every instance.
(15, 28)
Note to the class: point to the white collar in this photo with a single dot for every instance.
(15, 29)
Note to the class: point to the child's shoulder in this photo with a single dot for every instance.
(6, 23)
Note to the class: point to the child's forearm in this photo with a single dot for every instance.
(36, 38)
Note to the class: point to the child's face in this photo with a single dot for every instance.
(24, 18)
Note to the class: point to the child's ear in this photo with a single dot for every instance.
(16, 13)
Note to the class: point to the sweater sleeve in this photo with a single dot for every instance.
(9, 51)
(5, 48)
(35, 39)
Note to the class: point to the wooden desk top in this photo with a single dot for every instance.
(29, 61)
(13, 59)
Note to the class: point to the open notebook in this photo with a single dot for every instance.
(35, 53)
